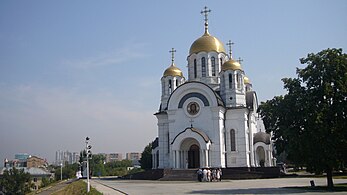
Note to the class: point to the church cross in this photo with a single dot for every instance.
(230, 44)
(205, 13)
(172, 51)
(191, 122)
(240, 60)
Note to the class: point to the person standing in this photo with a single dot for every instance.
(208, 175)
(204, 174)
(219, 174)
(199, 174)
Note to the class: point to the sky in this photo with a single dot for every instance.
(72, 69)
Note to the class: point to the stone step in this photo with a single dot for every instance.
(179, 175)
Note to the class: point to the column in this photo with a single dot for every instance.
(183, 160)
(177, 159)
(174, 158)
(202, 158)
(207, 158)
(186, 158)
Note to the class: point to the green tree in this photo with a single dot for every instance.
(146, 157)
(16, 181)
(96, 164)
(309, 123)
(117, 168)
(68, 171)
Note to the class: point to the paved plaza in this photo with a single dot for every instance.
(257, 186)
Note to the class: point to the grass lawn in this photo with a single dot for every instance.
(76, 188)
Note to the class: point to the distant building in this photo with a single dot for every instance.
(133, 156)
(66, 157)
(37, 162)
(21, 156)
(113, 157)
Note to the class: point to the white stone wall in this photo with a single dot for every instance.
(237, 119)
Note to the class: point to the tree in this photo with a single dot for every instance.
(96, 164)
(68, 171)
(16, 181)
(146, 157)
(309, 123)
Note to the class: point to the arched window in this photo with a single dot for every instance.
(213, 62)
(232, 140)
(163, 88)
(195, 72)
(176, 83)
(230, 80)
(170, 86)
(221, 61)
(238, 80)
(203, 66)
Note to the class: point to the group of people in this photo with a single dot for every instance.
(209, 174)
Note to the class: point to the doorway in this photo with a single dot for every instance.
(194, 157)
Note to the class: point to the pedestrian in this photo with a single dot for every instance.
(214, 174)
(204, 174)
(199, 174)
(208, 175)
(219, 174)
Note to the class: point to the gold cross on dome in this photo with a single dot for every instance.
(230, 44)
(172, 51)
(240, 60)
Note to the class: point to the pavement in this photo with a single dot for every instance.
(255, 186)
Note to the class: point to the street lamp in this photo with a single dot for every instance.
(88, 152)
(61, 171)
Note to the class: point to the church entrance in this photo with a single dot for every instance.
(194, 156)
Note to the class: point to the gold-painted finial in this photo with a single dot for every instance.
(172, 51)
(205, 13)
(230, 44)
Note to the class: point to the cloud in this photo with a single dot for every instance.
(42, 120)
(115, 57)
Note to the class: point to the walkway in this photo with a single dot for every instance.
(257, 186)
(49, 190)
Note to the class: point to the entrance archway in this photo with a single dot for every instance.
(261, 156)
(194, 156)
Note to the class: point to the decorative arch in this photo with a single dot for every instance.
(208, 95)
(202, 139)
(190, 95)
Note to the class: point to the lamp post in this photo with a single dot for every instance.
(61, 171)
(88, 152)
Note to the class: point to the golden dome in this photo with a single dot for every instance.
(246, 80)
(173, 71)
(231, 65)
(206, 43)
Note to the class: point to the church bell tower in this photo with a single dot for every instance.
(232, 87)
(172, 78)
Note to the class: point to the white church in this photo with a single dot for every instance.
(210, 119)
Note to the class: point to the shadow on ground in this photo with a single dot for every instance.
(258, 191)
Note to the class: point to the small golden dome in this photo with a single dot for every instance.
(173, 71)
(231, 65)
(206, 43)
(246, 80)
